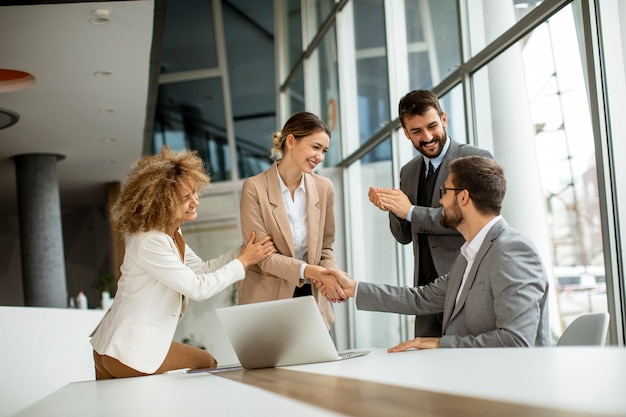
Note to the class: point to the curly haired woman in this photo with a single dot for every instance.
(160, 273)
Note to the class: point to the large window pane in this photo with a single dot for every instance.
(191, 115)
(317, 13)
(293, 42)
(373, 250)
(249, 33)
(326, 58)
(189, 41)
(613, 16)
(371, 67)
(295, 94)
(432, 41)
(489, 19)
(532, 106)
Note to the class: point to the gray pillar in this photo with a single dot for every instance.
(41, 236)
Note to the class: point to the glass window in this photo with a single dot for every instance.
(613, 16)
(326, 57)
(373, 249)
(372, 75)
(295, 92)
(190, 115)
(293, 38)
(317, 13)
(488, 19)
(432, 41)
(189, 40)
(249, 35)
(531, 103)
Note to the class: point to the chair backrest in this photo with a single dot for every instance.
(586, 330)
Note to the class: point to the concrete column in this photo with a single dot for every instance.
(41, 235)
(513, 142)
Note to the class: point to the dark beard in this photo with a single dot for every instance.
(452, 218)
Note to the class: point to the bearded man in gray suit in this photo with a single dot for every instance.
(414, 210)
(496, 292)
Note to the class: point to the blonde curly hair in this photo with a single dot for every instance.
(150, 198)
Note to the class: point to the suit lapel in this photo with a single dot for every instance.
(313, 218)
(493, 233)
(279, 212)
(455, 276)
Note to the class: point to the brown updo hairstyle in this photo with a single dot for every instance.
(299, 125)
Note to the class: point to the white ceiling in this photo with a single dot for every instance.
(62, 113)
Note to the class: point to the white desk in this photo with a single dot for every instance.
(530, 382)
(584, 379)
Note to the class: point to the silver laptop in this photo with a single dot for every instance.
(278, 333)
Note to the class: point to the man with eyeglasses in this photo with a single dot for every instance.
(414, 209)
(496, 292)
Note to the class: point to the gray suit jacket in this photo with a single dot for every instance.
(444, 242)
(503, 302)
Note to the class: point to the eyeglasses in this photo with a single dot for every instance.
(443, 190)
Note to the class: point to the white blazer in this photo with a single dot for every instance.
(151, 298)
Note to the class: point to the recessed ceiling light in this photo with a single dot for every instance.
(103, 73)
(13, 80)
(8, 118)
(101, 17)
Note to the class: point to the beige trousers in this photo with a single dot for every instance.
(178, 357)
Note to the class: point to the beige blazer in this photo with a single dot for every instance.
(263, 212)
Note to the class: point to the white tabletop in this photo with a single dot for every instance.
(583, 379)
(586, 380)
(200, 394)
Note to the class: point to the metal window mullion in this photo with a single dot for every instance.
(220, 47)
(609, 216)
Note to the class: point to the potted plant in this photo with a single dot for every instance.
(106, 284)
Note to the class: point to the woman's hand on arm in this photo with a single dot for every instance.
(255, 252)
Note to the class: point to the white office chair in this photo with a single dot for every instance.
(586, 330)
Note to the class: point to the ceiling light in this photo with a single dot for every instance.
(13, 80)
(101, 17)
(8, 118)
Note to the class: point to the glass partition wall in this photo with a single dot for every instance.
(521, 79)
(541, 84)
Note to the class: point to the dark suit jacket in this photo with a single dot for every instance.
(503, 302)
(444, 242)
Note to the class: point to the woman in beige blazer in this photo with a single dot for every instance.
(160, 272)
(296, 208)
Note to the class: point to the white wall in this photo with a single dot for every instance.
(42, 350)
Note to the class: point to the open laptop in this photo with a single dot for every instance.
(278, 333)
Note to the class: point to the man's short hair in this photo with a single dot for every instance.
(417, 102)
(483, 178)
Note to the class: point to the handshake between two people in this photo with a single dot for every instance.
(337, 286)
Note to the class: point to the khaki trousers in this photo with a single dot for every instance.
(178, 357)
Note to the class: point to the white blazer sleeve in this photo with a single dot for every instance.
(155, 255)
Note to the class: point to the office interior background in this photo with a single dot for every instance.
(541, 84)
